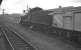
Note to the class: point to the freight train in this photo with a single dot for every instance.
(65, 22)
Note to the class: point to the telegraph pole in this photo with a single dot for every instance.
(3, 11)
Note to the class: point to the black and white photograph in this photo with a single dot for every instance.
(40, 24)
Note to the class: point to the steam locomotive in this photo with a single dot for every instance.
(64, 22)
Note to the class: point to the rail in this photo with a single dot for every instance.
(19, 39)
(7, 39)
(20, 35)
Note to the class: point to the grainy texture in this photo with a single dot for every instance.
(43, 42)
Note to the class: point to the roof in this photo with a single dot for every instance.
(65, 9)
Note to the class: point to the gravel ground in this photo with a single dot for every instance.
(41, 41)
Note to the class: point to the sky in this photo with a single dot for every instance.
(17, 6)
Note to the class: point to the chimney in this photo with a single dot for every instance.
(60, 6)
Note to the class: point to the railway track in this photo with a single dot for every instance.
(16, 42)
(4, 44)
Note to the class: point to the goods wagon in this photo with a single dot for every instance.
(67, 23)
(67, 20)
(41, 17)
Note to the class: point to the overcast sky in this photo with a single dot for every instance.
(16, 6)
